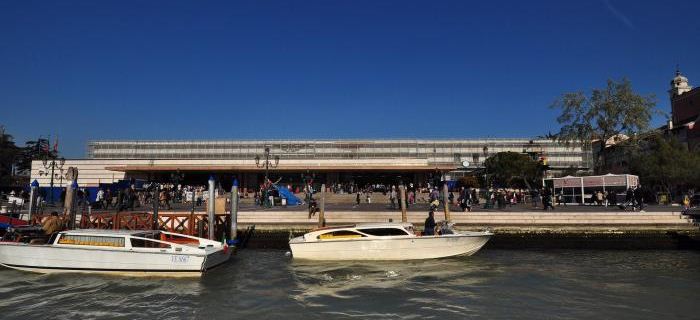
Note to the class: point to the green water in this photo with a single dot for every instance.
(494, 284)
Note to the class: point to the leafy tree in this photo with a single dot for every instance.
(35, 150)
(512, 169)
(602, 115)
(666, 163)
(8, 155)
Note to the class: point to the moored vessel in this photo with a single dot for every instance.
(384, 241)
(117, 252)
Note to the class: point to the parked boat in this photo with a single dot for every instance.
(118, 252)
(384, 241)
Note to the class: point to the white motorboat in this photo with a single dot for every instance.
(384, 241)
(118, 252)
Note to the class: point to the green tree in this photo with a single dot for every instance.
(603, 114)
(666, 163)
(35, 150)
(512, 169)
(8, 155)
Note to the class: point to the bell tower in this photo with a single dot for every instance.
(679, 85)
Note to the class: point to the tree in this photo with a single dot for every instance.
(35, 150)
(512, 169)
(602, 115)
(666, 163)
(8, 155)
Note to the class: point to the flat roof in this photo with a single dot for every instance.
(253, 168)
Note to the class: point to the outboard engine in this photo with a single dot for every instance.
(24, 234)
(445, 227)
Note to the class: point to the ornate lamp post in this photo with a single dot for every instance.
(267, 164)
(52, 164)
(176, 177)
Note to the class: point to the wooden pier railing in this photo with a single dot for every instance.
(195, 224)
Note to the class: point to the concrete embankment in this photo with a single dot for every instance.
(522, 230)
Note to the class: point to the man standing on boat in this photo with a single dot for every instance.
(52, 224)
(429, 228)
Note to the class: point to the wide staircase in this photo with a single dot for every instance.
(475, 220)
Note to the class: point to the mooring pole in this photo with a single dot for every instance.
(156, 202)
(210, 208)
(32, 199)
(234, 209)
(72, 204)
(321, 214)
(191, 224)
(445, 196)
(404, 215)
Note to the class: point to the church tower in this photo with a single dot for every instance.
(679, 85)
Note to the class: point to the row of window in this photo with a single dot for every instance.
(102, 241)
(346, 234)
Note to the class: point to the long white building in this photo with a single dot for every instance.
(327, 161)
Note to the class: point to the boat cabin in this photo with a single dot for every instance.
(134, 240)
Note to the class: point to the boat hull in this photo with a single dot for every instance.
(403, 248)
(52, 259)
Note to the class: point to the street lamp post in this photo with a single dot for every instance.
(176, 178)
(53, 165)
(267, 164)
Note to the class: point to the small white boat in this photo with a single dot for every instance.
(384, 241)
(118, 252)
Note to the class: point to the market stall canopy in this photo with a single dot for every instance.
(608, 180)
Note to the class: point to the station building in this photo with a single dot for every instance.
(296, 162)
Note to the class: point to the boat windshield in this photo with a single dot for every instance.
(143, 243)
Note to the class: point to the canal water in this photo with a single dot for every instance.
(494, 284)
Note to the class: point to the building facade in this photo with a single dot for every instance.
(685, 112)
(326, 161)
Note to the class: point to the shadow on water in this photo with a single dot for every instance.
(267, 284)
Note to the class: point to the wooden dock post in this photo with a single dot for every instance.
(191, 224)
(321, 214)
(402, 191)
(211, 219)
(156, 203)
(446, 199)
(234, 209)
(32, 199)
(70, 204)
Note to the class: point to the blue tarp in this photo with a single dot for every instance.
(292, 200)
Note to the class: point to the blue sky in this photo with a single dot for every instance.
(87, 70)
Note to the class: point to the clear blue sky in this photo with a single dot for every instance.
(324, 69)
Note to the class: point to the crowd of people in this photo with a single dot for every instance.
(465, 198)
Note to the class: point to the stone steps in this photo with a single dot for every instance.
(477, 221)
(481, 219)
